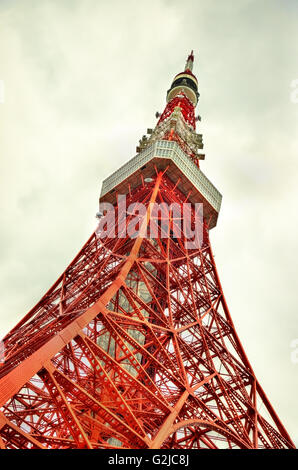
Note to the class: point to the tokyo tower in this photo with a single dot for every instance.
(133, 346)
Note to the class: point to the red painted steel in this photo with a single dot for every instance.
(187, 108)
(134, 347)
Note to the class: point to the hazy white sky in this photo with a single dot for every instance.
(83, 80)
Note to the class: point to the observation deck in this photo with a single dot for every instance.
(160, 155)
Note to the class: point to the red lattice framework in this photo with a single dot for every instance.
(187, 108)
(134, 347)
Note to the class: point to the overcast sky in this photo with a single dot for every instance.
(82, 82)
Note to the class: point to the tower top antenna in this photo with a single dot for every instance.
(189, 62)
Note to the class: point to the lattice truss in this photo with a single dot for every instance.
(134, 347)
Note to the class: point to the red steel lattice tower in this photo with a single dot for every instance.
(134, 345)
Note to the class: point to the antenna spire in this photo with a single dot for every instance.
(189, 62)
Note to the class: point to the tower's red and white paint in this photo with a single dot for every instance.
(134, 345)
